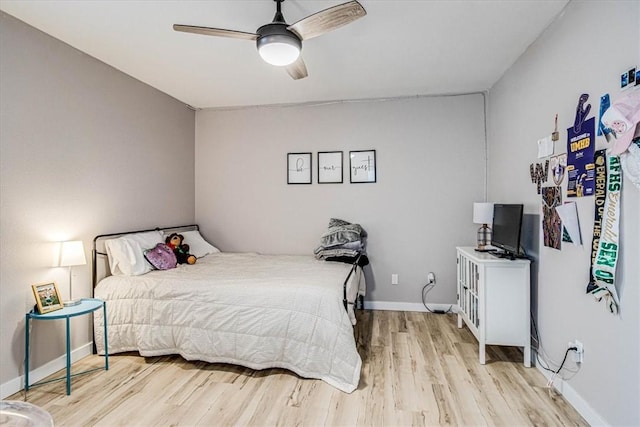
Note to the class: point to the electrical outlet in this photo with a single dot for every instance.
(394, 279)
(431, 278)
(578, 354)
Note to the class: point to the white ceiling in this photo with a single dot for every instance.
(400, 48)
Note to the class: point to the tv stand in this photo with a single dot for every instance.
(494, 300)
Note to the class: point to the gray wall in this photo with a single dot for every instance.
(85, 150)
(584, 51)
(430, 164)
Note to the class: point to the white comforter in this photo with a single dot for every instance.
(259, 311)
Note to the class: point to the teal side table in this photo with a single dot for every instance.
(86, 306)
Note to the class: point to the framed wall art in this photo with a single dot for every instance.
(330, 167)
(299, 168)
(362, 166)
(47, 297)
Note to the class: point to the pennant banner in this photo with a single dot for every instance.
(605, 244)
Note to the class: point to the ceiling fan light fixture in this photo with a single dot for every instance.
(279, 49)
(279, 43)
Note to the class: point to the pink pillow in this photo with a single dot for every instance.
(161, 257)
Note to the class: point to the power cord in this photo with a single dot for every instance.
(557, 371)
(425, 290)
(540, 351)
(538, 345)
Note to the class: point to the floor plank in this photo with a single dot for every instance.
(418, 369)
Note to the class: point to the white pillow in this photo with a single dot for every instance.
(126, 253)
(197, 245)
(119, 253)
(146, 240)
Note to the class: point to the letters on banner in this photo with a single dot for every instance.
(605, 244)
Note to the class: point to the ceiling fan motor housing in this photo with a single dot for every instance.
(276, 33)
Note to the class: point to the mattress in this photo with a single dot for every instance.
(258, 311)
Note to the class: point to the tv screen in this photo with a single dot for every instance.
(507, 225)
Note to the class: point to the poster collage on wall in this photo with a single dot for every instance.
(591, 172)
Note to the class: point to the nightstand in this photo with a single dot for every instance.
(86, 306)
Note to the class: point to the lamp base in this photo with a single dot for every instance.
(484, 237)
(71, 303)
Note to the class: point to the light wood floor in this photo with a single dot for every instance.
(418, 369)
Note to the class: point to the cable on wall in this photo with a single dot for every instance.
(548, 362)
(425, 290)
(486, 148)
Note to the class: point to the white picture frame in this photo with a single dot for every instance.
(330, 167)
(299, 168)
(362, 166)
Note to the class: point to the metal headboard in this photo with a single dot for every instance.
(95, 252)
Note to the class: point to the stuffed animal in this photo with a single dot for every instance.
(181, 250)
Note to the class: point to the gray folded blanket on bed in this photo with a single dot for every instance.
(342, 239)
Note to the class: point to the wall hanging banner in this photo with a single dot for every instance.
(551, 223)
(580, 169)
(605, 244)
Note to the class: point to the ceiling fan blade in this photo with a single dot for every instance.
(215, 32)
(328, 20)
(297, 70)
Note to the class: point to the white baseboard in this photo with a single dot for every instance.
(574, 399)
(17, 384)
(407, 306)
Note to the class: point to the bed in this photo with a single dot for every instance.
(259, 311)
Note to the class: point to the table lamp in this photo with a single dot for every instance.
(483, 214)
(72, 253)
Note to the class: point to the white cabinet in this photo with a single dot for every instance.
(494, 300)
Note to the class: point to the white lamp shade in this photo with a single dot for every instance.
(72, 253)
(483, 213)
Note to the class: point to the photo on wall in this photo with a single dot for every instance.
(330, 167)
(551, 223)
(299, 168)
(580, 168)
(362, 164)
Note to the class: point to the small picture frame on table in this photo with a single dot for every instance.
(47, 297)
(362, 165)
(330, 167)
(299, 168)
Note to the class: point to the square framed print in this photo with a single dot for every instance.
(299, 168)
(330, 167)
(47, 297)
(362, 166)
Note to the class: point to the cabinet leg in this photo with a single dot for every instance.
(483, 354)
(527, 355)
(459, 321)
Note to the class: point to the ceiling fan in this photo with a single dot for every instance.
(280, 43)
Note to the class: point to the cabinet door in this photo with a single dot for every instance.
(506, 305)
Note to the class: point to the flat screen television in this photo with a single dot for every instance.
(506, 229)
